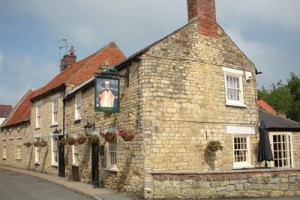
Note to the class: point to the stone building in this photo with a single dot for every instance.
(15, 131)
(177, 94)
(48, 110)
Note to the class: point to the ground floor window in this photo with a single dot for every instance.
(241, 145)
(54, 153)
(37, 151)
(4, 152)
(112, 155)
(282, 149)
(18, 152)
(75, 161)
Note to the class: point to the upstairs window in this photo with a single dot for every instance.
(38, 115)
(78, 106)
(54, 112)
(234, 87)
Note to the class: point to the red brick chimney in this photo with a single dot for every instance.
(205, 10)
(68, 59)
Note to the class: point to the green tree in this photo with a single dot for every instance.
(285, 98)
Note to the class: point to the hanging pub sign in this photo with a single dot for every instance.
(107, 94)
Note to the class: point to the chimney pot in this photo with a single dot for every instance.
(68, 60)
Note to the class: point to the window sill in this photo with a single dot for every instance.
(75, 165)
(239, 105)
(246, 166)
(54, 125)
(54, 165)
(77, 120)
(18, 159)
(37, 128)
(37, 163)
(3, 158)
(112, 169)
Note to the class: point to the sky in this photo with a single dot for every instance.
(31, 33)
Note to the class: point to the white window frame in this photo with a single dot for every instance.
(111, 156)
(18, 152)
(38, 114)
(288, 152)
(4, 152)
(247, 162)
(75, 156)
(54, 151)
(37, 151)
(55, 112)
(229, 72)
(78, 104)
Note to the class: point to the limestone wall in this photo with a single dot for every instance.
(255, 183)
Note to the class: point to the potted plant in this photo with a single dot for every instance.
(27, 144)
(71, 141)
(94, 139)
(62, 142)
(81, 139)
(127, 135)
(43, 143)
(109, 136)
(214, 145)
(36, 143)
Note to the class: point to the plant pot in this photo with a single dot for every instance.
(128, 137)
(27, 144)
(36, 144)
(110, 137)
(94, 140)
(43, 143)
(213, 148)
(81, 140)
(71, 141)
(63, 142)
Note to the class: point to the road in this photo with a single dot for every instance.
(15, 186)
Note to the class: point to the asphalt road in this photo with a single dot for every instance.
(15, 186)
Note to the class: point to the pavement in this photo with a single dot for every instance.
(79, 187)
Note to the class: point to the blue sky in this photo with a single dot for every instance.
(267, 31)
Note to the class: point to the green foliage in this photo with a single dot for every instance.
(285, 98)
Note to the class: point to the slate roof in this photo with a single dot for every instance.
(5, 110)
(21, 112)
(82, 71)
(278, 123)
(274, 121)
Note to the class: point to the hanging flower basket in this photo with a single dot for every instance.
(62, 142)
(71, 141)
(36, 144)
(110, 137)
(94, 139)
(214, 145)
(27, 144)
(43, 143)
(81, 139)
(127, 135)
